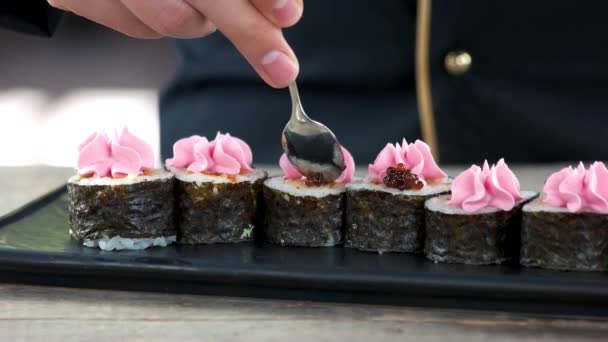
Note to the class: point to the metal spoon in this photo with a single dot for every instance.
(309, 145)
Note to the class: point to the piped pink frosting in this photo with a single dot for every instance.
(223, 155)
(478, 188)
(416, 157)
(290, 171)
(102, 155)
(578, 189)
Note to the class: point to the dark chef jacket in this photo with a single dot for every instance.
(536, 88)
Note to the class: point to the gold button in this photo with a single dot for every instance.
(457, 62)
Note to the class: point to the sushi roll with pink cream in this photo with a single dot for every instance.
(385, 211)
(567, 229)
(218, 189)
(302, 211)
(117, 199)
(479, 223)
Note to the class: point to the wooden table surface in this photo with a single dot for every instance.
(29, 313)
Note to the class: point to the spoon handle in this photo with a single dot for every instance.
(297, 112)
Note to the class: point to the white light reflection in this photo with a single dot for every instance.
(38, 129)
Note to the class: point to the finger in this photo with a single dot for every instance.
(110, 13)
(283, 13)
(258, 40)
(172, 18)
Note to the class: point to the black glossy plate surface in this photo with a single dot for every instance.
(35, 248)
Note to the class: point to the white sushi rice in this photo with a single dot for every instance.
(429, 189)
(539, 205)
(197, 177)
(119, 243)
(299, 189)
(153, 175)
(440, 204)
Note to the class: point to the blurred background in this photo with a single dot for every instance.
(51, 98)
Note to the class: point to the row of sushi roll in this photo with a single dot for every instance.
(211, 193)
(118, 200)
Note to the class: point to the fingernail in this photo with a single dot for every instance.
(278, 4)
(285, 10)
(280, 68)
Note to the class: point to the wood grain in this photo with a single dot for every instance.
(50, 313)
(20, 185)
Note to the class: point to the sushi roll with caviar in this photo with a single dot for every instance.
(118, 200)
(385, 211)
(479, 223)
(567, 229)
(303, 211)
(218, 190)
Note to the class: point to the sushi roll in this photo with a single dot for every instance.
(385, 211)
(567, 229)
(218, 190)
(479, 223)
(303, 212)
(118, 200)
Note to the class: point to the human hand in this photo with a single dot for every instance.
(253, 26)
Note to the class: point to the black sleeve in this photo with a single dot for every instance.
(29, 16)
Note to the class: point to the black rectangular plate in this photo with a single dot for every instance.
(35, 248)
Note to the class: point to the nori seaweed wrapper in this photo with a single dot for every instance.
(381, 221)
(305, 221)
(217, 212)
(478, 239)
(564, 240)
(140, 210)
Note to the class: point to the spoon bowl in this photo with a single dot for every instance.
(310, 146)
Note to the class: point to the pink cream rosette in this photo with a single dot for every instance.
(119, 155)
(223, 155)
(488, 187)
(416, 157)
(578, 189)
